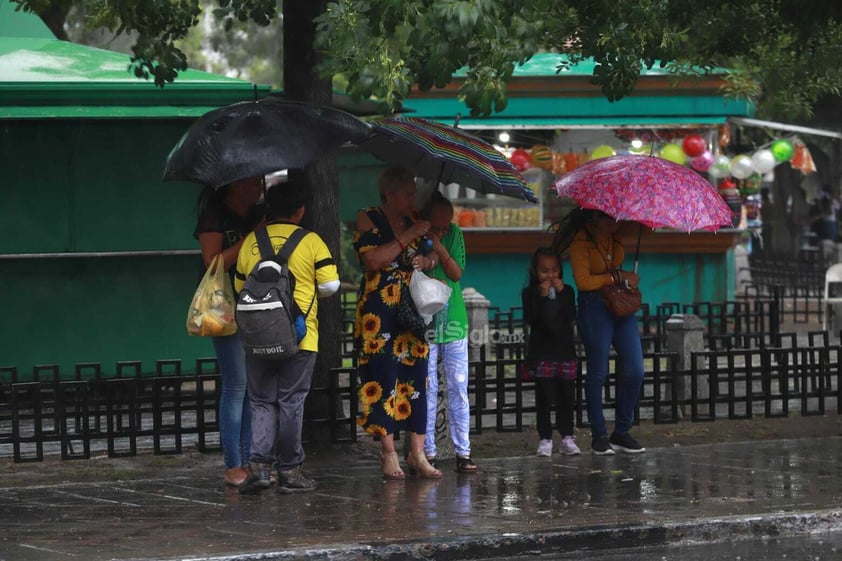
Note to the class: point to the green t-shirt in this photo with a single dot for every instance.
(453, 325)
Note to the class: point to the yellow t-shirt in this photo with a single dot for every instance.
(311, 264)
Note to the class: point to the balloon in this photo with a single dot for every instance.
(769, 176)
(602, 151)
(642, 149)
(674, 154)
(763, 161)
(721, 166)
(703, 161)
(542, 156)
(741, 167)
(694, 145)
(782, 150)
(520, 159)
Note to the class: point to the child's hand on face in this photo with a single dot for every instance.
(544, 288)
(558, 284)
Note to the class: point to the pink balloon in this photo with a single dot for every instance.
(703, 161)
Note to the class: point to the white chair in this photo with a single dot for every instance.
(833, 275)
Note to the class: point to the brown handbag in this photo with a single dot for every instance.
(621, 299)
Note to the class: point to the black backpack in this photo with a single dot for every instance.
(269, 321)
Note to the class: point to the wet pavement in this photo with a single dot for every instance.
(178, 508)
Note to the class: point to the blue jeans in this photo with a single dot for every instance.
(599, 330)
(234, 410)
(454, 356)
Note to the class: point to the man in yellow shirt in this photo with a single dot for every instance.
(277, 388)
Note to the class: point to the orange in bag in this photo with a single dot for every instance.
(466, 218)
(571, 160)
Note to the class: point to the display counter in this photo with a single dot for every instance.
(490, 240)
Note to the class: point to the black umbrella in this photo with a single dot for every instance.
(253, 138)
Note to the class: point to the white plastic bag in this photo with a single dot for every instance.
(429, 295)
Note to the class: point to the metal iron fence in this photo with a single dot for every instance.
(745, 372)
(796, 282)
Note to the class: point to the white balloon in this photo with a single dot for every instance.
(721, 167)
(741, 167)
(769, 176)
(763, 161)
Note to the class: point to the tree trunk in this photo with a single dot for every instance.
(322, 182)
(55, 15)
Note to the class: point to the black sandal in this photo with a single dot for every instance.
(466, 465)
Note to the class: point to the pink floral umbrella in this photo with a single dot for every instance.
(649, 190)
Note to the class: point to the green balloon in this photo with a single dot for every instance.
(782, 150)
(674, 153)
(603, 151)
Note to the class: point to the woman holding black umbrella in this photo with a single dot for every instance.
(595, 257)
(226, 216)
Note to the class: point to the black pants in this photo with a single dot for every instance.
(562, 394)
(277, 390)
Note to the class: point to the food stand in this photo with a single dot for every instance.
(558, 119)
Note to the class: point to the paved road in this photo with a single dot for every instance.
(175, 507)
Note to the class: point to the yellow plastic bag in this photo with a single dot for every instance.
(211, 313)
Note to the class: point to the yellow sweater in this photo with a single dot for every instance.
(591, 259)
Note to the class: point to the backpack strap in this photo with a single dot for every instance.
(264, 244)
(285, 253)
(291, 243)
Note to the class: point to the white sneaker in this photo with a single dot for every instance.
(545, 448)
(568, 446)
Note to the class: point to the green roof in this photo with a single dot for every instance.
(41, 77)
(546, 64)
(558, 101)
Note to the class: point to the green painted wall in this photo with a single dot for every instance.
(93, 186)
(664, 277)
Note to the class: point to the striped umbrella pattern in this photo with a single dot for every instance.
(446, 154)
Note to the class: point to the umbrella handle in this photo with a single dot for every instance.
(637, 249)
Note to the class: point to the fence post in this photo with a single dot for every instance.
(684, 335)
(444, 444)
(477, 306)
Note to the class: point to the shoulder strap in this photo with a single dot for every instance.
(264, 244)
(284, 254)
(292, 242)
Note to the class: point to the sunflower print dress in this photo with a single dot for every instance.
(392, 364)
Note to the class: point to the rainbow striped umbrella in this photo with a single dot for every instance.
(447, 154)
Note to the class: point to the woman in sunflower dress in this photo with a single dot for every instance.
(392, 361)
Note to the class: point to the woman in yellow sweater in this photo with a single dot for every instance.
(595, 258)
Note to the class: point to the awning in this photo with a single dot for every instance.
(553, 123)
(784, 127)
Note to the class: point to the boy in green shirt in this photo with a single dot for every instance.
(450, 337)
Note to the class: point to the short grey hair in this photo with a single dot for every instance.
(394, 179)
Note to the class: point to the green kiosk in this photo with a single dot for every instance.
(97, 255)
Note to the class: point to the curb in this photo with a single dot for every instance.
(597, 538)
